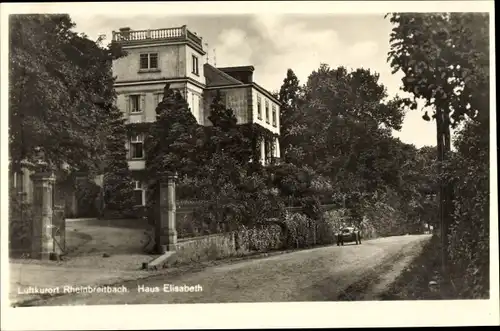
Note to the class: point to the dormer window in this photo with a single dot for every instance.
(149, 61)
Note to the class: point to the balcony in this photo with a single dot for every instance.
(127, 36)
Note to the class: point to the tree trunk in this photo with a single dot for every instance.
(445, 191)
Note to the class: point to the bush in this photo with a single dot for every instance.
(260, 239)
(185, 226)
(206, 248)
(469, 233)
(325, 232)
(336, 217)
(381, 218)
(332, 221)
(88, 194)
(20, 222)
(249, 204)
(300, 231)
(192, 224)
(368, 230)
(311, 207)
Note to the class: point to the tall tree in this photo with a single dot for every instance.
(289, 111)
(118, 186)
(171, 142)
(345, 113)
(55, 77)
(170, 145)
(225, 134)
(445, 61)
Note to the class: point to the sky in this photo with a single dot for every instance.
(272, 43)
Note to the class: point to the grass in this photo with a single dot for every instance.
(76, 239)
(413, 283)
(105, 236)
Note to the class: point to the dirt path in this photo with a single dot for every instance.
(107, 236)
(352, 272)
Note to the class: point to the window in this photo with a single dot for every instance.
(137, 147)
(153, 61)
(274, 115)
(135, 103)
(269, 150)
(195, 66)
(267, 111)
(259, 108)
(138, 193)
(149, 61)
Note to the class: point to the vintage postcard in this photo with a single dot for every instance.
(306, 164)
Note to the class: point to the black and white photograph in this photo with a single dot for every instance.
(336, 158)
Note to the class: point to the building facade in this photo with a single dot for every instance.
(175, 56)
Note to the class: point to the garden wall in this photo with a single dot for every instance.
(296, 231)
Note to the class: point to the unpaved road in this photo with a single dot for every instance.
(351, 272)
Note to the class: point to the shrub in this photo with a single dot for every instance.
(300, 231)
(261, 238)
(469, 233)
(249, 203)
(192, 224)
(207, 248)
(368, 230)
(88, 194)
(332, 221)
(311, 207)
(185, 226)
(325, 232)
(382, 218)
(337, 217)
(20, 221)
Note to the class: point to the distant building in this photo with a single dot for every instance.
(175, 55)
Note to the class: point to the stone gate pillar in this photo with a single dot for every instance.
(167, 238)
(42, 243)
